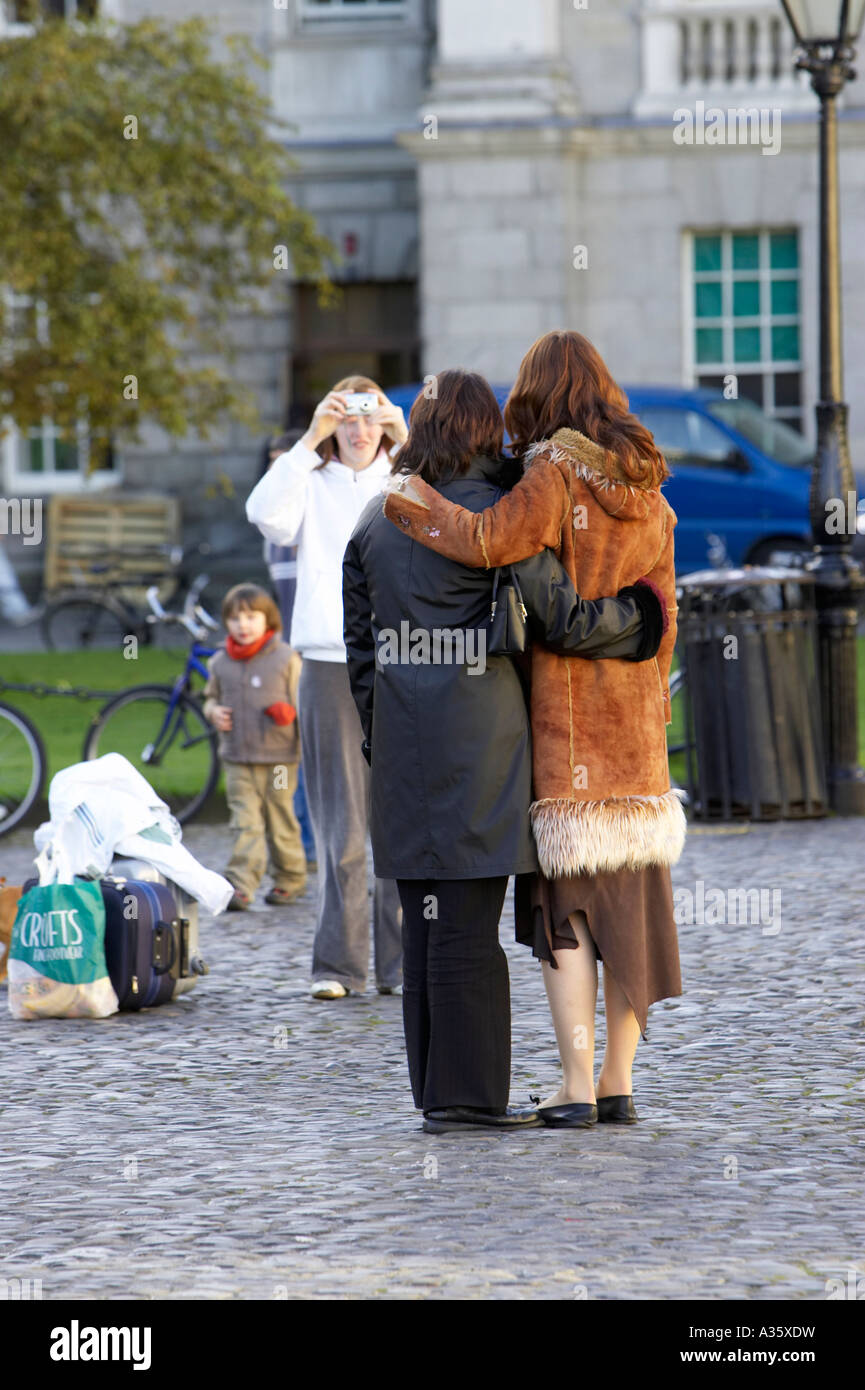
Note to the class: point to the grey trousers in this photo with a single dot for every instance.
(337, 792)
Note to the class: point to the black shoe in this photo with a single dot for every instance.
(471, 1117)
(580, 1115)
(616, 1110)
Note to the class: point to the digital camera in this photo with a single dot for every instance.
(360, 402)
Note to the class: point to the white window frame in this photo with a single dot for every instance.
(22, 481)
(310, 13)
(12, 28)
(764, 367)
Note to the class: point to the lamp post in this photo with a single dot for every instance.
(825, 32)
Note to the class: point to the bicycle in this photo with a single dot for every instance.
(22, 766)
(161, 729)
(88, 617)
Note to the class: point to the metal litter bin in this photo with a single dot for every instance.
(748, 645)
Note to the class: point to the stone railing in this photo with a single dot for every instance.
(725, 52)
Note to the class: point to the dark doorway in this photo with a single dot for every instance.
(372, 331)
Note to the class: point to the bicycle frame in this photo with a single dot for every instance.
(195, 658)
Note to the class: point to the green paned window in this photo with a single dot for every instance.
(785, 296)
(707, 253)
(746, 251)
(36, 454)
(707, 299)
(709, 345)
(746, 344)
(65, 456)
(746, 298)
(783, 250)
(745, 316)
(785, 342)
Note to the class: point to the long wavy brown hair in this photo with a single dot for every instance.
(563, 383)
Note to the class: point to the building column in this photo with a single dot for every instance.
(492, 182)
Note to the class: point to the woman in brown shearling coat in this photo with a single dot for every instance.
(606, 822)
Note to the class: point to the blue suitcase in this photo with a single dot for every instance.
(142, 941)
(189, 963)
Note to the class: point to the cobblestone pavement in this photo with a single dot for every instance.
(249, 1142)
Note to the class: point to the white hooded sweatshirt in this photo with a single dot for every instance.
(316, 509)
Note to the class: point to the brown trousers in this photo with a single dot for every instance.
(261, 801)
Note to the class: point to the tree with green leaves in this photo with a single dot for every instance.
(142, 202)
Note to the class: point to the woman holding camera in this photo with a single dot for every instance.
(312, 497)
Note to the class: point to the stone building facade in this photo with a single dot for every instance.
(491, 169)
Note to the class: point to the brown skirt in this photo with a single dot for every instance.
(631, 921)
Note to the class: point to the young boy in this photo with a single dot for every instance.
(251, 698)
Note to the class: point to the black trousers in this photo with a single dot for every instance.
(456, 992)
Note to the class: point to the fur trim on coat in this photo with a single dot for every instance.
(601, 836)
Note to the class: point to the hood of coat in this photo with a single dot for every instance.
(600, 470)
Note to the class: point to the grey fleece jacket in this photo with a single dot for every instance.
(249, 688)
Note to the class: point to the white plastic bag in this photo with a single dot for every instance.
(177, 864)
(105, 807)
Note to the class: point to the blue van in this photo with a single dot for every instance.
(740, 481)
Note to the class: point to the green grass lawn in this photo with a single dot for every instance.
(63, 721)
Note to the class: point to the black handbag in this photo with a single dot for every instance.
(508, 634)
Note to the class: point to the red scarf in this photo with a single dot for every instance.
(242, 651)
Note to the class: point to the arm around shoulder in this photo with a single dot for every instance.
(626, 627)
(521, 524)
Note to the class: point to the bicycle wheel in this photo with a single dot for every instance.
(166, 738)
(81, 623)
(22, 767)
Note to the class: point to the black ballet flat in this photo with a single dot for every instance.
(580, 1115)
(617, 1110)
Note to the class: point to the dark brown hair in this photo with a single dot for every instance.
(329, 448)
(455, 417)
(254, 598)
(563, 382)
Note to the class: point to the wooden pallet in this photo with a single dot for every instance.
(131, 534)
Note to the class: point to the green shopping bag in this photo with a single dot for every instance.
(57, 966)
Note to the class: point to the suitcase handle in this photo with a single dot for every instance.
(182, 925)
(162, 932)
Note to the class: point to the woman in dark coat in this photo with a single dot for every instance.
(447, 733)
